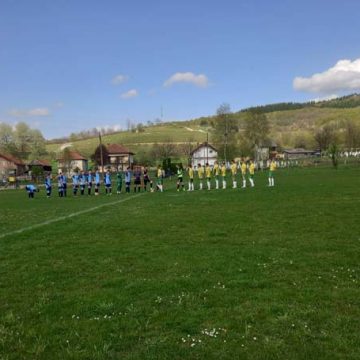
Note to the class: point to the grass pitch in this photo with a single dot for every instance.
(263, 273)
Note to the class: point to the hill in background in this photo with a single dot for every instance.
(292, 125)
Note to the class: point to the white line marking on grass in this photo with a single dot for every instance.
(51, 221)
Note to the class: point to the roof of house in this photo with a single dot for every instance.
(73, 155)
(205, 144)
(118, 149)
(39, 163)
(12, 158)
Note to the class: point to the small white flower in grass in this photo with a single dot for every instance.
(242, 345)
(73, 316)
(255, 338)
(293, 325)
(224, 341)
(193, 344)
(188, 335)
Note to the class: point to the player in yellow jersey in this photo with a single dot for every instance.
(200, 172)
(243, 173)
(271, 172)
(191, 178)
(233, 169)
(216, 171)
(159, 178)
(223, 175)
(208, 175)
(251, 173)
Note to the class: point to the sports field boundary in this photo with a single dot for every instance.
(65, 217)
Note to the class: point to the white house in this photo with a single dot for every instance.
(74, 161)
(204, 153)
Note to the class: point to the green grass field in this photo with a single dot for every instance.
(263, 273)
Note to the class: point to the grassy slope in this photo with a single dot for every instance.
(275, 269)
(290, 122)
(173, 132)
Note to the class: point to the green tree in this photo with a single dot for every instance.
(256, 128)
(225, 131)
(334, 154)
(7, 139)
(23, 138)
(37, 144)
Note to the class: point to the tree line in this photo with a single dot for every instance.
(22, 141)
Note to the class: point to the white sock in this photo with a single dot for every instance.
(189, 187)
(224, 184)
(201, 185)
(252, 182)
(192, 187)
(270, 181)
(217, 184)
(244, 183)
(208, 185)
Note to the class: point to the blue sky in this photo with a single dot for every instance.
(59, 59)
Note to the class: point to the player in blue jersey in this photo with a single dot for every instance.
(127, 180)
(64, 181)
(89, 181)
(48, 185)
(31, 189)
(97, 182)
(75, 180)
(107, 182)
(82, 182)
(60, 182)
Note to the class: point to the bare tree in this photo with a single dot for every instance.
(324, 137)
(352, 135)
(164, 150)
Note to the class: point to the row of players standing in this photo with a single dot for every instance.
(83, 183)
(87, 181)
(218, 173)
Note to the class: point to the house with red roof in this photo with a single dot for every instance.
(120, 157)
(11, 165)
(72, 161)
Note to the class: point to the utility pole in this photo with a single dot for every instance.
(101, 154)
(207, 147)
(226, 138)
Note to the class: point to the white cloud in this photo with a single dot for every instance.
(29, 112)
(129, 94)
(344, 76)
(119, 79)
(199, 80)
